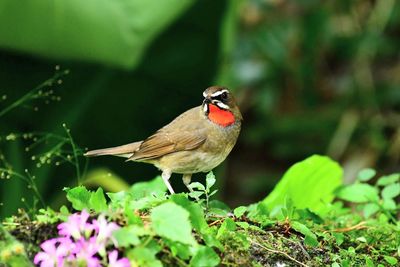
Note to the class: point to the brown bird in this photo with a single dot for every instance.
(198, 140)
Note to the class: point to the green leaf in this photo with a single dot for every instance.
(196, 212)
(154, 187)
(316, 178)
(389, 179)
(213, 193)
(197, 185)
(389, 204)
(370, 209)
(143, 256)
(310, 237)
(79, 197)
(244, 225)
(49, 28)
(339, 238)
(98, 201)
(391, 260)
(205, 257)
(358, 193)
(210, 180)
(126, 237)
(239, 211)
(366, 174)
(183, 251)
(391, 191)
(196, 194)
(369, 262)
(171, 221)
(226, 226)
(209, 237)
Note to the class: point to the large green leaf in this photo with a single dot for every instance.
(107, 31)
(309, 184)
(172, 221)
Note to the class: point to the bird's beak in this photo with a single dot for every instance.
(207, 100)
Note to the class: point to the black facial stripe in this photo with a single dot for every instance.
(222, 98)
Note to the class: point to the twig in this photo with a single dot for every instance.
(279, 252)
(215, 222)
(358, 226)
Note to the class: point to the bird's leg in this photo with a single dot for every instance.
(186, 180)
(165, 176)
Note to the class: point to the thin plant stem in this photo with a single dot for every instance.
(75, 152)
(29, 95)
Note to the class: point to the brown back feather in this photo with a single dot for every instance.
(183, 133)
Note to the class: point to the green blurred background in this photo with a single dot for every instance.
(310, 76)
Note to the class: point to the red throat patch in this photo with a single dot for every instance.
(220, 116)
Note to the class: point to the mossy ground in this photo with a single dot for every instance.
(274, 245)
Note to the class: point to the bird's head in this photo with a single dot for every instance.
(220, 106)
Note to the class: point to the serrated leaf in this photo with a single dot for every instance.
(239, 211)
(79, 197)
(210, 180)
(389, 179)
(366, 174)
(98, 201)
(358, 193)
(316, 177)
(171, 221)
(391, 191)
(205, 257)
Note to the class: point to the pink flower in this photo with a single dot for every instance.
(54, 251)
(76, 226)
(81, 243)
(85, 251)
(113, 260)
(104, 229)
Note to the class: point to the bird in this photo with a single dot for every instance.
(196, 141)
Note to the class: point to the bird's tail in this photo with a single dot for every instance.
(122, 151)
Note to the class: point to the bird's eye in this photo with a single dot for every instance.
(224, 96)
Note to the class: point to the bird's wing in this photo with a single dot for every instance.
(183, 133)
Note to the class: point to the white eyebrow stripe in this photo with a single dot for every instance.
(204, 94)
(219, 93)
(221, 105)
